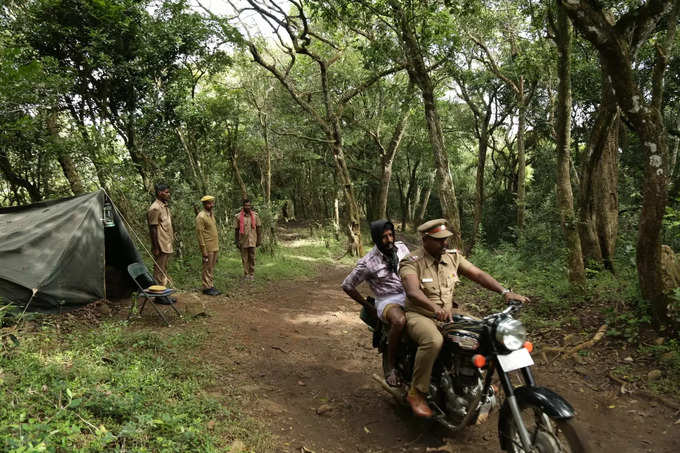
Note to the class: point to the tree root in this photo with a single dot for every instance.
(570, 351)
(651, 396)
(396, 394)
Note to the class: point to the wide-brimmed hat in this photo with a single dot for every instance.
(207, 198)
(437, 229)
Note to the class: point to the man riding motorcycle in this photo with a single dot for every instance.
(429, 275)
(379, 268)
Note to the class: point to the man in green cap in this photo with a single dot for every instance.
(206, 229)
(429, 275)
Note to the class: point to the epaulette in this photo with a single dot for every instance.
(452, 251)
(412, 257)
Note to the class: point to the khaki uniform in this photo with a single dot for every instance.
(248, 241)
(437, 282)
(159, 215)
(206, 230)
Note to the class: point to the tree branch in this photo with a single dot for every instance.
(492, 63)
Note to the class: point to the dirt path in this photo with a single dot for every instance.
(301, 358)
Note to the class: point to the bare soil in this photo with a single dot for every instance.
(302, 361)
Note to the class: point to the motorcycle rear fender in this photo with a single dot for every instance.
(552, 404)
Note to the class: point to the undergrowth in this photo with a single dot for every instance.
(112, 389)
(606, 298)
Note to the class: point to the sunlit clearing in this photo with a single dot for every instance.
(328, 318)
(304, 258)
(303, 243)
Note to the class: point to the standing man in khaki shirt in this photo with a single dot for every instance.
(206, 229)
(162, 234)
(429, 275)
(247, 236)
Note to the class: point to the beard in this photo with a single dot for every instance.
(390, 253)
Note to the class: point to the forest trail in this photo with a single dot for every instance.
(299, 357)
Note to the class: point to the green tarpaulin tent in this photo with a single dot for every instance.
(61, 251)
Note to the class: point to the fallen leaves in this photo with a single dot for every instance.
(323, 409)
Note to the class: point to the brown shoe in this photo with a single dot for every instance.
(419, 405)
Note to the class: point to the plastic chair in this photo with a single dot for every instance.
(143, 280)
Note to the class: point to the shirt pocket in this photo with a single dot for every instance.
(451, 281)
(431, 289)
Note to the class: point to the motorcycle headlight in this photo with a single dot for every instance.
(511, 334)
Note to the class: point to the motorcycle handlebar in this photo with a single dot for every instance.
(513, 306)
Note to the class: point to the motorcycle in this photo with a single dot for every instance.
(531, 418)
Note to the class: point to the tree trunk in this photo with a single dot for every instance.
(479, 183)
(93, 147)
(64, 158)
(384, 189)
(651, 217)
(353, 227)
(565, 199)
(267, 160)
(426, 199)
(268, 173)
(616, 46)
(199, 178)
(16, 180)
(237, 176)
(521, 156)
(413, 205)
(402, 201)
(419, 75)
(599, 204)
(390, 152)
(336, 217)
(447, 193)
(71, 173)
(674, 153)
(140, 161)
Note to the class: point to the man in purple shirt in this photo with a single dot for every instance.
(379, 268)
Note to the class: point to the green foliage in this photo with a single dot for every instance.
(542, 276)
(674, 306)
(627, 324)
(112, 389)
(544, 281)
(667, 357)
(672, 225)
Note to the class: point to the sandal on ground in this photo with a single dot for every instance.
(392, 378)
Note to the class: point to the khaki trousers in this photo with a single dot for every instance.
(208, 270)
(248, 260)
(160, 273)
(424, 332)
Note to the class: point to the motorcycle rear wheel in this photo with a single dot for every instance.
(565, 437)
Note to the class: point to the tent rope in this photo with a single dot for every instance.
(129, 227)
(35, 291)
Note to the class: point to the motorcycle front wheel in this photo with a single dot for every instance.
(547, 435)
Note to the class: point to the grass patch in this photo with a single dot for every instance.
(113, 389)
